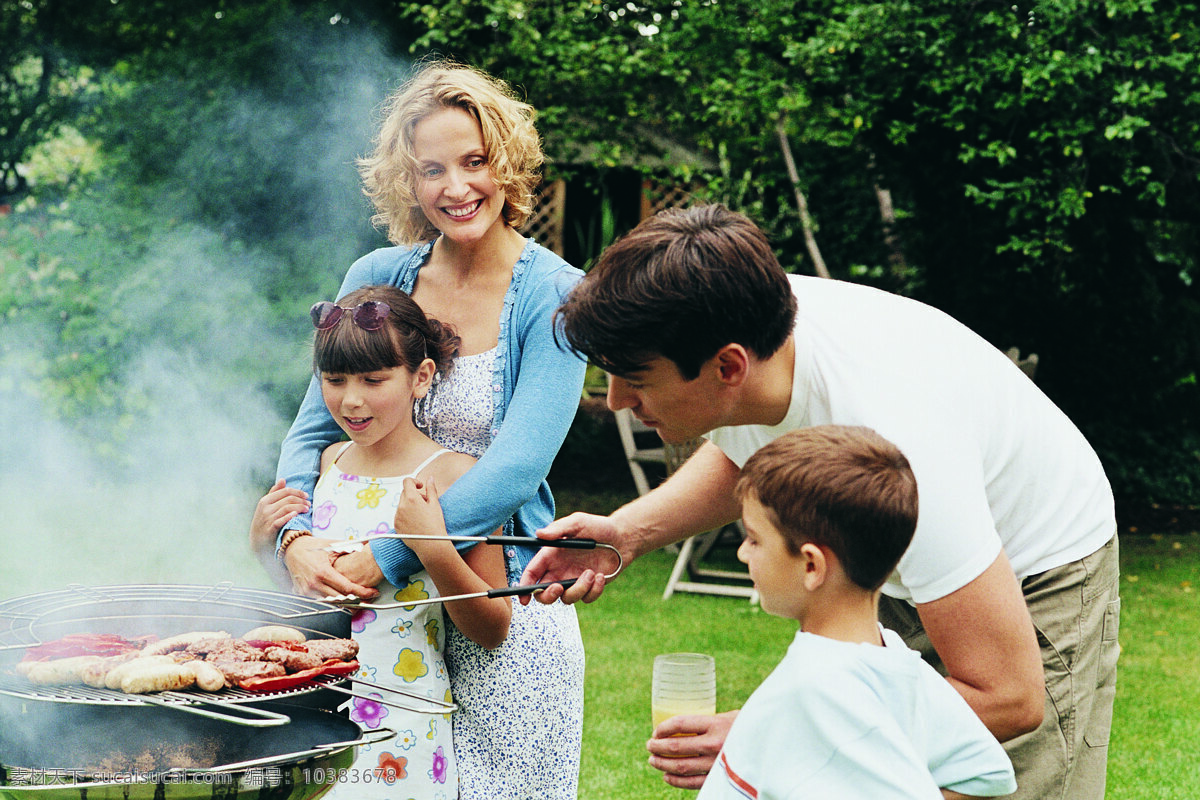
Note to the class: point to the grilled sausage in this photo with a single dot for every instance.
(117, 674)
(59, 671)
(144, 678)
(208, 677)
(274, 633)
(95, 673)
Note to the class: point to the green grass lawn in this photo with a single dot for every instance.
(622, 633)
(1155, 746)
(1154, 752)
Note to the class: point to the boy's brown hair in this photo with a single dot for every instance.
(845, 488)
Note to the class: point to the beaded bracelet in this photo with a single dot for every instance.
(287, 540)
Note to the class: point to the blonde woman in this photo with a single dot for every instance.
(452, 178)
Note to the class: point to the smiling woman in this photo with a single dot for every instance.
(452, 177)
(454, 185)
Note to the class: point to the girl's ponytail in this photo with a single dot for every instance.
(441, 344)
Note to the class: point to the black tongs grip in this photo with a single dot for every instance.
(510, 591)
(350, 601)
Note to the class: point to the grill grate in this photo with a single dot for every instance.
(16, 686)
(22, 619)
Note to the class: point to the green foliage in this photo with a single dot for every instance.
(1041, 158)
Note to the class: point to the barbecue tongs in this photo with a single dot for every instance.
(353, 601)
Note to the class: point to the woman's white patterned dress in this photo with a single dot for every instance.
(518, 730)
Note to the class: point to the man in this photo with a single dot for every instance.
(1010, 584)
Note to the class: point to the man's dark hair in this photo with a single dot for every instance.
(682, 285)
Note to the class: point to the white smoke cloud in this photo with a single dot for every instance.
(164, 492)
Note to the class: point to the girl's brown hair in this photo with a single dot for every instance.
(406, 339)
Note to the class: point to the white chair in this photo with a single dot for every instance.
(1028, 364)
(642, 448)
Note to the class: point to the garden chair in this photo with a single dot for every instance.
(644, 448)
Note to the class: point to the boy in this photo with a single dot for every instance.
(850, 712)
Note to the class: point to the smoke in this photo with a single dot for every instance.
(162, 491)
(162, 488)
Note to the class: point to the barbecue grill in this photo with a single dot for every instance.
(56, 740)
(162, 610)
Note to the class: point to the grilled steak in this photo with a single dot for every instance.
(325, 649)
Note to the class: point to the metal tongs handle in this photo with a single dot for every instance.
(574, 544)
(246, 715)
(351, 601)
(411, 702)
(510, 591)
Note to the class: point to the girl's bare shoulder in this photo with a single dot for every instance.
(330, 453)
(448, 468)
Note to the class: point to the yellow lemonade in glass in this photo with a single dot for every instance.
(682, 683)
(661, 711)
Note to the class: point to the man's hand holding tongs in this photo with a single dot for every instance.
(588, 567)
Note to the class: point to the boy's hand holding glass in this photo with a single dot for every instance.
(685, 748)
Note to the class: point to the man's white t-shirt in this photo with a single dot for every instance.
(997, 463)
(841, 721)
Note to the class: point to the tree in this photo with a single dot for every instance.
(1042, 159)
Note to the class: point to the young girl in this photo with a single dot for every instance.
(376, 353)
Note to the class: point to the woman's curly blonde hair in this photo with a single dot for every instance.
(514, 149)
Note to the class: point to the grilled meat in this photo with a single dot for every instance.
(235, 671)
(340, 649)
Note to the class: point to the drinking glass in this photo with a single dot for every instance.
(682, 683)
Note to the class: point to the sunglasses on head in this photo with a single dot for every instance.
(369, 315)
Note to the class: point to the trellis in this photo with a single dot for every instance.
(546, 224)
(658, 196)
